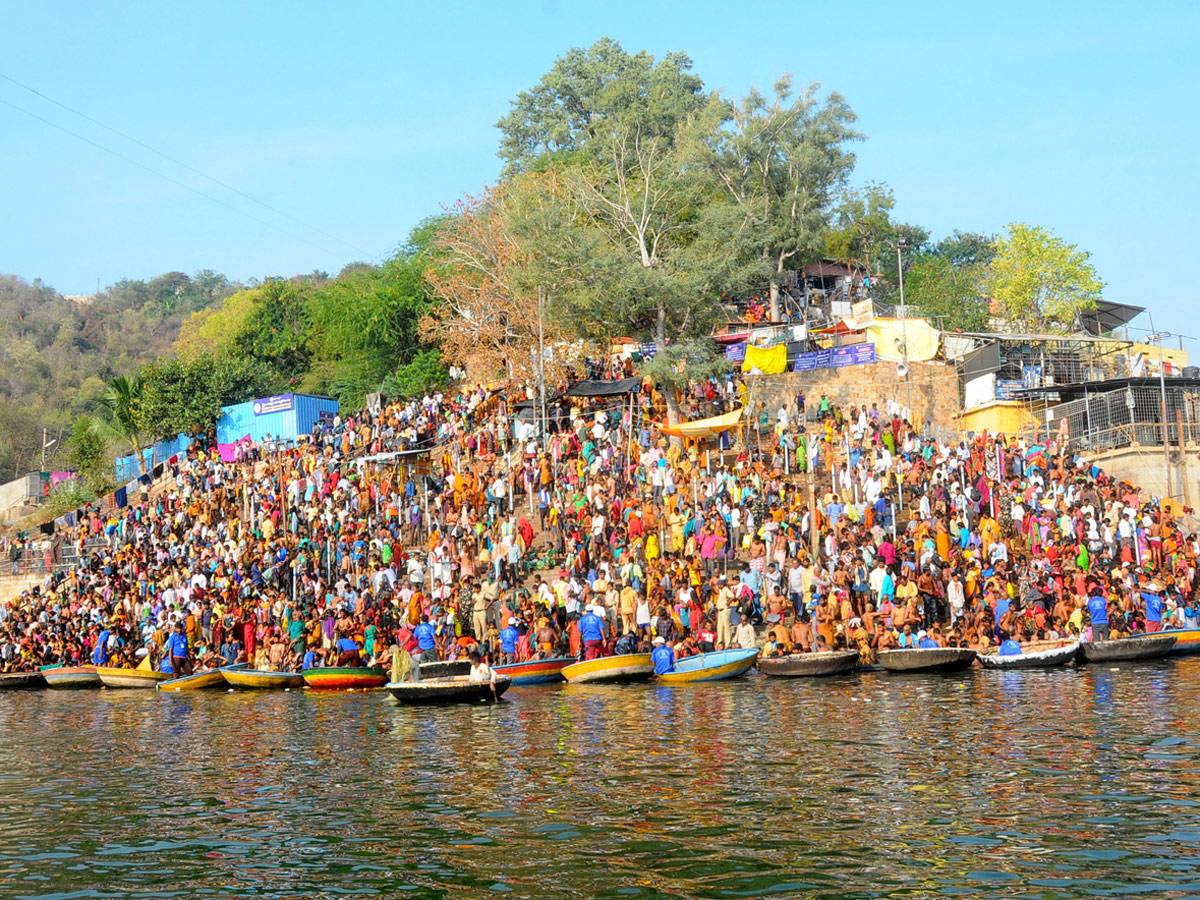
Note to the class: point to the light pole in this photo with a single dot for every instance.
(904, 326)
(1158, 337)
(45, 446)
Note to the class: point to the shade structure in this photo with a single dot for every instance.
(701, 428)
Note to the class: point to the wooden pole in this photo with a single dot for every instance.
(1183, 475)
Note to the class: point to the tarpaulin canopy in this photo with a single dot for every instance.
(603, 388)
(700, 428)
(769, 361)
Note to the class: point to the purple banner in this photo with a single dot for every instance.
(835, 358)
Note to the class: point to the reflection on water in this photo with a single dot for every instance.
(1067, 783)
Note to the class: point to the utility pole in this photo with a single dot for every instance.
(1159, 337)
(904, 328)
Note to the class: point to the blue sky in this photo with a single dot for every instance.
(1079, 117)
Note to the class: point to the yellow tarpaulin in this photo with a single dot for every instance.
(890, 335)
(700, 428)
(769, 361)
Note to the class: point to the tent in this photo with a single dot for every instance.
(702, 428)
(770, 361)
(602, 388)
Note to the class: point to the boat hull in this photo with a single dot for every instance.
(258, 680)
(131, 678)
(72, 678)
(345, 678)
(942, 659)
(447, 691)
(445, 668)
(610, 670)
(801, 665)
(22, 681)
(719, 666)
(536, 671)
(1147, 646)
(1187, 641)
(1038, 659)
(198, 681)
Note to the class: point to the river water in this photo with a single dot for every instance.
(1071, 783)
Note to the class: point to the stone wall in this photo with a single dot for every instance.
(933, 386)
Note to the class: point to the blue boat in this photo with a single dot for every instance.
(717, 666)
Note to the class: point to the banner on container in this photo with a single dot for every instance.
(835, 357)
(278, 403)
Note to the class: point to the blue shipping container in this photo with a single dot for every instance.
(281, 418)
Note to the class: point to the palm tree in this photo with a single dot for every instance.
(121, 403)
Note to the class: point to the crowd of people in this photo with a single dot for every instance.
(460, 524)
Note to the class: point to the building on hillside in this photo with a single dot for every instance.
(277, 420)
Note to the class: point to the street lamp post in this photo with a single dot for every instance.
(1159, 337)
(904, 327)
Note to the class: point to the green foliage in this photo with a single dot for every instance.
(57, 353)
(863, 231)
(782, 165)
(421, 375)
(587, 92)
(67, 497)
(278, 327)
(122, 408)
(1041, 282)
(187, 396)
(684, 362)
(949, 296)
(87, 456)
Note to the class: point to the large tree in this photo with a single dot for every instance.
(586, 91)
(1041, 282)
(947, 283)
(490, 286)
(783, 163)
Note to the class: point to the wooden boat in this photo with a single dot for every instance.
(261, 680)
(451, 689)
(22, 681)
(717, 666)
(1039, 655)
(71, 677)
(131, 678)
(445, 668)
(1142, 646)
(610, 669)
(535, 671)
(199, 681)
(939, 659)
(1187, 641)
(344, 678)
(798, 665)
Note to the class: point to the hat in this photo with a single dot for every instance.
(512, 621)
(1153, 587)
(920, 634)
(660, 640)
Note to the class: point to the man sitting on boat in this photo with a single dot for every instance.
(1009, 647)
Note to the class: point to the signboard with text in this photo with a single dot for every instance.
(835, 357)
(278, 403)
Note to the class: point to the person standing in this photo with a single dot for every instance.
(1097, 606)
(663, 657)
(591, 633)
(426, 639)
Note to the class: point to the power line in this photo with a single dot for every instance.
(186, 187)
(182, 164)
